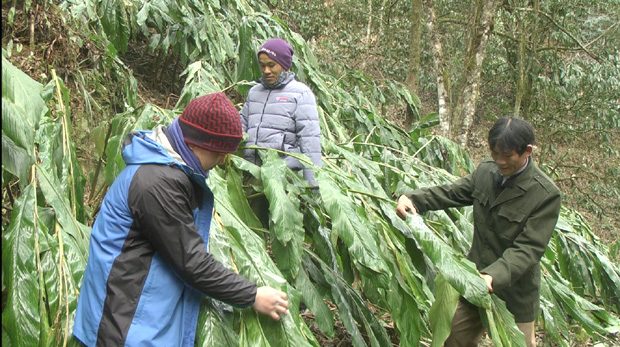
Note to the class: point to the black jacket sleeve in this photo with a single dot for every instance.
(161, 199)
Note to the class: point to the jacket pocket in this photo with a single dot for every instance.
(511, 214)
(480, 196)
(480, 204)
(510, 222)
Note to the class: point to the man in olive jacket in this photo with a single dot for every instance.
(516, 207)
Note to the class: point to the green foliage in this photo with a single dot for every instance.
(45, 246)
(554, 63)
(341, 247)
(22, 108)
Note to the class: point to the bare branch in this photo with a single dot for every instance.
(603, 34)
(564, 30)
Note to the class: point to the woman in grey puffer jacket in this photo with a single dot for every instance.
(280, 112)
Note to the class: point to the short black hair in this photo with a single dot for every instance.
(511, 133)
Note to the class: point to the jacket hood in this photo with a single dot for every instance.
(141, 149)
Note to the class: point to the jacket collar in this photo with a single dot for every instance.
(519, 185)
(285, 78)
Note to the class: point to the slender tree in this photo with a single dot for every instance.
(443, 108)
(481, 29)
(415, 47)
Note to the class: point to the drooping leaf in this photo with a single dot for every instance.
(351, 308)
(347, 224)
(286, 226)
(115, 23)
(500, 324)
(15, 159)
(440, 315)
(247, 69)
(456, 269)
(313, 300)
(216, 324)
(244, 252)
(21, 317)
(22, 109)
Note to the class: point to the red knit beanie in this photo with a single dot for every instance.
(212, 122)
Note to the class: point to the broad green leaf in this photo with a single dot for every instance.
(251, 333)
(215, 326)
(286, 221)
(403, 307)
(238, 199)
(15, 159)
(440, 315)
(457, 270)
(583, 311)
(283, 201)
(408, 296)
(353, 230)
(22, 109)
(500, 324)
(247, 69)
(351, 307)
(77, 234)
(114, 21)
(553, 318)
(22, 106)
(54, 144)
(311, 297)
(60, 287)
(21, 317)
(244, 252)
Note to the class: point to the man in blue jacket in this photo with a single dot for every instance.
(148, 264)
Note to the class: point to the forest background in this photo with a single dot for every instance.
(390, 77)
(554, 63)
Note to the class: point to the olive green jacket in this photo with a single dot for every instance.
(511, 231)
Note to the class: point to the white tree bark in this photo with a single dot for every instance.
(381, 11)
(443, 109)
(369, 22)
(415, 47)
(480, 39)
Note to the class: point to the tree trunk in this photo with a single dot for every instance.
(520, 43)
(481, 31)
(381, 11)
(443, 103)
(369, 23)
(415, 47)
(531, 67)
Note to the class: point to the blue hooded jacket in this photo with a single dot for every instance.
(148, 264)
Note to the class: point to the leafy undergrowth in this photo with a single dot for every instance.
(341, 338)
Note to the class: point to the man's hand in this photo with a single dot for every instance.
(405, 205)
(271, 302)
(489, 280)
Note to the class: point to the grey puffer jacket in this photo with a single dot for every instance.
(284, 117)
